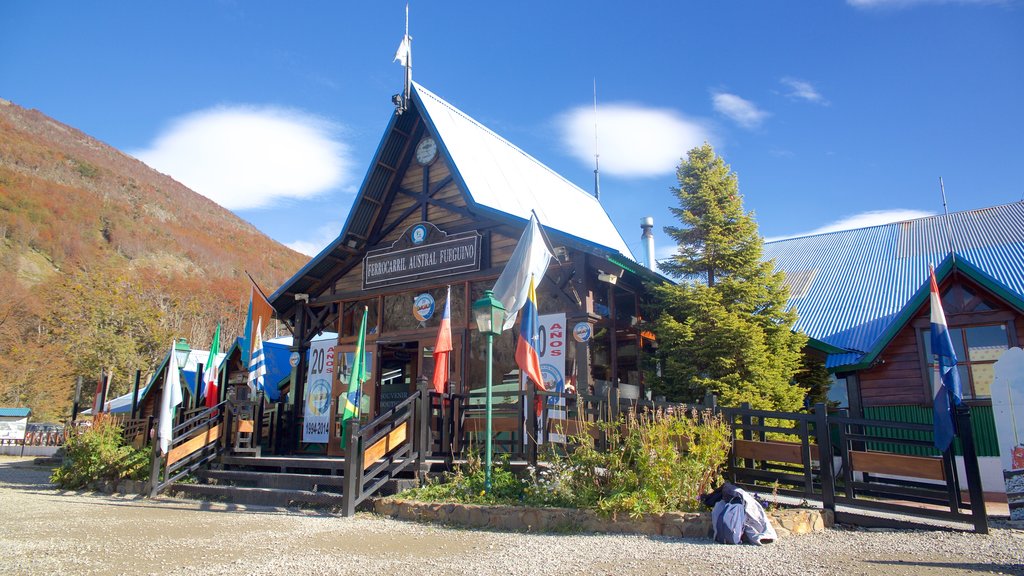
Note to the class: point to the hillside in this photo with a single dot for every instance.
(103, 261)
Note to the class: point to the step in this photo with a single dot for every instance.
(256, 496)
(276, 480)
(286, 464)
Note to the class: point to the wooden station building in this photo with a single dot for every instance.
(863, 296)
(444, 203)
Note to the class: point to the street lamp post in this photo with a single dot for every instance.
(181, 353)
(490, 317)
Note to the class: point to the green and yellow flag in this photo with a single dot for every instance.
(356, 377)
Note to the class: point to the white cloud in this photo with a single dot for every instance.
(320, 238)
(635, 141)
(251, 156)
(803, 90)
(862, 220)
(870, 4)
(743, 112)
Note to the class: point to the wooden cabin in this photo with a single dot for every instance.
(444, 204)
(864, 296)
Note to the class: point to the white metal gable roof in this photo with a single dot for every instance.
(500, 176)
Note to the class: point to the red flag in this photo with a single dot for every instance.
(526, 349)
(443, 346)
(260, 314)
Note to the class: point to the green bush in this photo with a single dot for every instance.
(652, 464)
(658, 463)
(98, 454)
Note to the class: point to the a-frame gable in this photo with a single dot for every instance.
(917, 304)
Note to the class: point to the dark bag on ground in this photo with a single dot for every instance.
(737, 517)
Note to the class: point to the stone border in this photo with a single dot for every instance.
(787, 522)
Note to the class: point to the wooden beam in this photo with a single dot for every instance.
(897, 465)
(789, 452)
(194, 444)
(385, 445)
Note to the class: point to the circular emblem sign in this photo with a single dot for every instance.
(418, 234)
(552, 379)
(319, 397)
(423, 307)
(581, 332)
(294, 359)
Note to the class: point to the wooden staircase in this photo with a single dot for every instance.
(388, 455)
(303, 482)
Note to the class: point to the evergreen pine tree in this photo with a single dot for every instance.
(724, 328)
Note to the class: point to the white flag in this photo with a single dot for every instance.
(169, 402)
(257, 365)
(404, 53)
(530, 258)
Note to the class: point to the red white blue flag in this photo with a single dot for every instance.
(946, 380)
(526, 349)
(443, 347)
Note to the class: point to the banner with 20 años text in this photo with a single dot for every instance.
(316, 425)
(552, 342)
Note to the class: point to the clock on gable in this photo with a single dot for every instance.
(426, 151)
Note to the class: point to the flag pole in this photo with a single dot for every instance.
(949, 228)
(597, 155)
(408, 58)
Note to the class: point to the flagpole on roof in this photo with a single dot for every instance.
(404, 57)
(949, 227)
(408, 57)
(597, 155)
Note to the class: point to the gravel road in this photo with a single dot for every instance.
(46, 531)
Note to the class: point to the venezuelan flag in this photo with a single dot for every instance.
(526, 349)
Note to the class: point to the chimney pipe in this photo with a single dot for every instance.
(647, 224)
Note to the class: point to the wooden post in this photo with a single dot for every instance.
(78, 400)
(105, 382)
(824, 440)
(747, 434)
(258, 420)
(135, 394)
(353, 469)
(966, 434)
(531, 423)
(422, 435)
(446, 430)
(301, 346)
(200, 381)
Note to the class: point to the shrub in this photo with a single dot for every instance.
(655, 463)
(100, 453)
(652, 464)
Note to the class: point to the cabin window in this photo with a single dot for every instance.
(977, 349)
(838, 392)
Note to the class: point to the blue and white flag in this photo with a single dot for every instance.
(946, 380)
(257, 365)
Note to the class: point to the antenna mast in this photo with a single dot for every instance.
(949, 228)
(597, 155)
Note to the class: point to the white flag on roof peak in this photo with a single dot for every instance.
(530, 259)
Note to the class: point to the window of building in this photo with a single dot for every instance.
(977, 349)
(838, 393)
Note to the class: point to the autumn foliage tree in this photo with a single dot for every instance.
(724, 327)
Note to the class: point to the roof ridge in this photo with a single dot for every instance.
(425, 91)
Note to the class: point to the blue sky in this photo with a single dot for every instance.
(832, 113)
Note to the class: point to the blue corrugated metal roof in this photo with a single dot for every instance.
(851, 287)
(15, 412)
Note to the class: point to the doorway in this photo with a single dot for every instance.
(399, 370)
